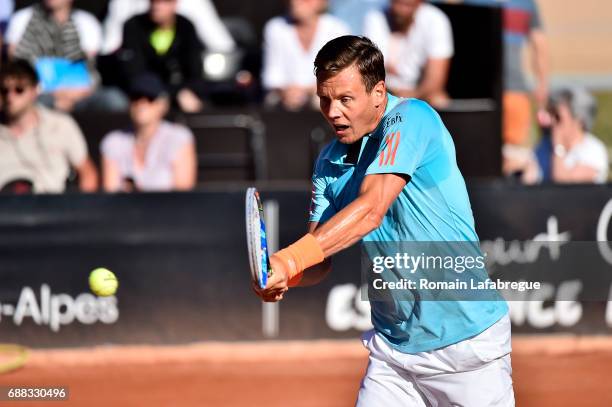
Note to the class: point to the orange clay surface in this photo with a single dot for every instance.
(548, 371)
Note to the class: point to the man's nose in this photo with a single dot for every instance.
(333, 112)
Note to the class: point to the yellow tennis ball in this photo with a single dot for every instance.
(103, 282)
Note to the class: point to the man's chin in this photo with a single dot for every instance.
(347, 139)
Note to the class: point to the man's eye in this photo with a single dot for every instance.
(345, 100)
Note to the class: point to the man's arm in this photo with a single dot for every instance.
(347, 227)
(539, 56)
(315, 274)
(363, 215)
(185, 168)
(578, 174)
(433, 85)
(88, 176)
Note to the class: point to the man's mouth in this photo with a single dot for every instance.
(340, 128)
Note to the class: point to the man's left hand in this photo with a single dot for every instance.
(277, 282)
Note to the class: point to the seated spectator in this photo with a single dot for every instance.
(202, 14)
(62, 43)
(154, 155)
(567, 152)
(417, 42)
(571, 154)
(291, 44)
(38, 146)
(6, 10)
(166, 44)
(522, 27)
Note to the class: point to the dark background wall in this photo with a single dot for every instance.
(183, 270)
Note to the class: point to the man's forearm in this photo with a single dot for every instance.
(88, 177)
(316, 274)
(348, 226)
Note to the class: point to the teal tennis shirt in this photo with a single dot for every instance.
(433, 207)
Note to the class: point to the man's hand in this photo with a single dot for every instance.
(188, 101)
(294, 97)
(277, 282)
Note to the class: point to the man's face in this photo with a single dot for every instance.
(18, 96)
(349, 108)
(564, 125)
(403, 10)
(146, 111)
(163, 11)
(306, 9)
(57, 4)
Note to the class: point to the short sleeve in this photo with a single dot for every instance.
(404, 145)
(321, 208)
(17, 25)
(273, 70)
(90, 31)
(181, 136)
(535, 22)
(111, 146)
(376, 29)
(440, 35)
(76, 147)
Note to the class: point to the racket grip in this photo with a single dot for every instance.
(302, 254)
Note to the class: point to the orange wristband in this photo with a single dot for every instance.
(302, 254)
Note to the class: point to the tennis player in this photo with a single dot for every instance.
(391, 175)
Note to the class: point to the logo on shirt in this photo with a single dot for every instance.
(387, 155)
(392, 121)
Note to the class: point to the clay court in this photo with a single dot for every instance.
(557, 371)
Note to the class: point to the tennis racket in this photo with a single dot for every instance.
(257, 242)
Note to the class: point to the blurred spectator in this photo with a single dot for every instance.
(37, 146)
(567, 152)
(291, 43)
(166, 44)
(522, 24)
(353, 12)
(417, 42)
(154, 155)
(62, 43)
(202, 14)
(6, 10)
(570, 153)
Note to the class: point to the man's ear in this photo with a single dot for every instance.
(380, 91)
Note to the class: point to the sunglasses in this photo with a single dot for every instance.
(18, 90)
(148, 98)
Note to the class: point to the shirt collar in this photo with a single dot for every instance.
(392, 102)
(337, 153)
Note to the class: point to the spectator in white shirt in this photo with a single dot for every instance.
(291, 43)
(567, 152)
(417, 43)
(202, 14)
(6, 10)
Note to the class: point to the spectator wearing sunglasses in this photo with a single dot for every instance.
(38, 147)
(153, 155)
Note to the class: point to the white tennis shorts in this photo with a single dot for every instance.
(475, 372)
